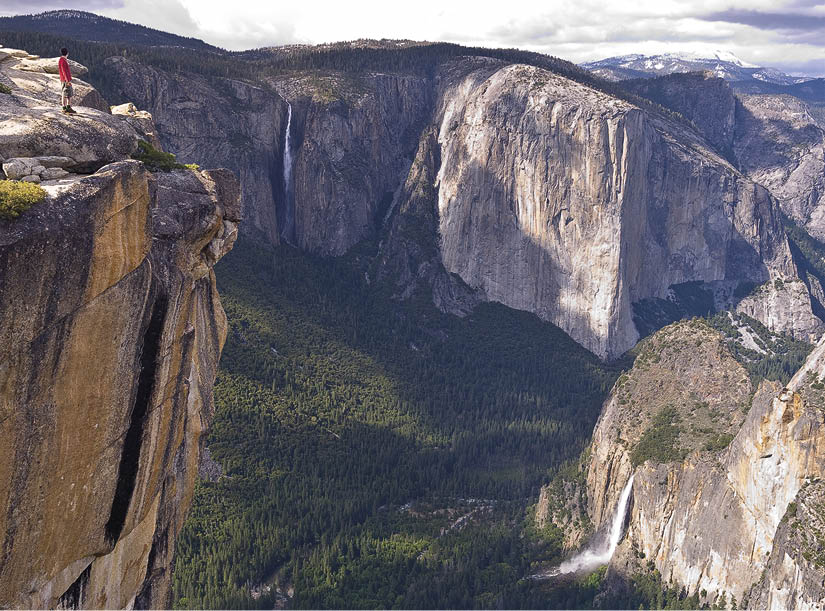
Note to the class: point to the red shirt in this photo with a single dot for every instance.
(65, 72)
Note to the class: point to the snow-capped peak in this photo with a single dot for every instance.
(727, 56)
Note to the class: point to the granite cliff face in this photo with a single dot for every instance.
(701, 97)
(709, 500)
(780, 143)
(567, 202)
(550, 196)
(352, 140)
(110, 335)
(777, 140)
(226, 123)
(795, 576)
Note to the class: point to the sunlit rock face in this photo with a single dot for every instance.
(561, 200)
(712, 515)
(110, 335)
(547, 195)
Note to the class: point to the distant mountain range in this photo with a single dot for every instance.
(722, 63)
(82, 25)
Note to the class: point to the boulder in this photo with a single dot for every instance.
(31, 178)
(55, 161)
(17, 168)
(53, 174)
(88, 96)
(7, 53)
(140, 120)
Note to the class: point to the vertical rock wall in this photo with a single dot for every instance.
(708, 516)
(110, 335)
(567, 202)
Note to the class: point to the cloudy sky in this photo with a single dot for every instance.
(787, 34)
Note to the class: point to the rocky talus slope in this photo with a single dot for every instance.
(717, 465)
(110, 335)
(545, 195)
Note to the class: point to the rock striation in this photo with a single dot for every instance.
(110, 335)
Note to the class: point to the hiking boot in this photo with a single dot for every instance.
(71, 110)
(63, 110)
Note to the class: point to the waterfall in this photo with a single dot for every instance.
(289, 200)
(600, 553)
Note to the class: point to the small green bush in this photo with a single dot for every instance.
(158, 161)
(17, 197)
(718, 442)
(5, 88)
(660, 442)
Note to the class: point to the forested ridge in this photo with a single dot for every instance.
(258, 66)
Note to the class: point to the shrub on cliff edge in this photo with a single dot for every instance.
(17, 197)
(157, 160)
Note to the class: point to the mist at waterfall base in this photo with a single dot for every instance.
(600, 552)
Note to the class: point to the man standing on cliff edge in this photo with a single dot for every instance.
(65, 82)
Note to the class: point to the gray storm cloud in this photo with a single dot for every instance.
(770, 21)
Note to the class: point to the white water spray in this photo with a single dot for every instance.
(287, 149)
(601, 553)
(286, 232)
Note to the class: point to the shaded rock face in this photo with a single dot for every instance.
(223, 123)
(354, 139)
(701, 97)
(707, 516)
(409, 259)
(780, 143)
(112, 276)
(560, 200)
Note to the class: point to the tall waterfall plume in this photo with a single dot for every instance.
(288, 228)
(601, 552)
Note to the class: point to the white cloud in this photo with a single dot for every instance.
(578, 30)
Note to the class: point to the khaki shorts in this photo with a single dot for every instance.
(67, 89)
